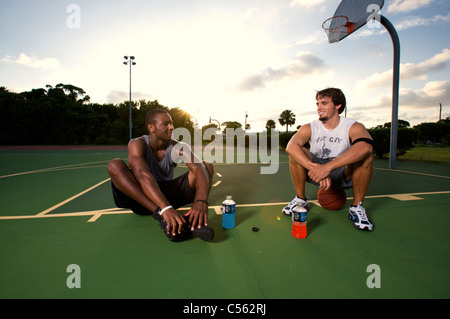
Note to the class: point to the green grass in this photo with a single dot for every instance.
(431, 154)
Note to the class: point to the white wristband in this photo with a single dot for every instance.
(164, 209)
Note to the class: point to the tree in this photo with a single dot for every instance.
(62, 115)
(434, 132)
(73, 92)
(181, 118)
(210, 125)
(287, 118)
(270, 124)
(231, 124)
(400, 124)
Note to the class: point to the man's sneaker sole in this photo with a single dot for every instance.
(363, 227)
(204, 232)
(359, 226)
(287, 212)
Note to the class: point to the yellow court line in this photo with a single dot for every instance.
(218, 209)
(50, 169)
(108, 211)
(71, 198)
(405, 197)
(410, 172)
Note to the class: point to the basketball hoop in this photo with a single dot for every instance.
(335, 27)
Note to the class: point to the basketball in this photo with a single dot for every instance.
(331, 199)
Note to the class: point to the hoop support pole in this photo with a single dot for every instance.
(395, 90)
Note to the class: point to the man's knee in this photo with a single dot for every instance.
(293, 164)
(115, 165)
(364, 165)
(209, 168)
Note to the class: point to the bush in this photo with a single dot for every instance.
(285, 138)
(382, 140)
(438, 132)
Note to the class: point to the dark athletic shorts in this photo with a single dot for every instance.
(336, 175)
(177, 191)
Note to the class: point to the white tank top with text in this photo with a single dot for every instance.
(329, 144)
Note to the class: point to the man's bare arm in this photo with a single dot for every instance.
(198, 214)
(295, 147)
(136, 159)
(357, 151)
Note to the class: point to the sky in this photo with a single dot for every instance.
(226, 58)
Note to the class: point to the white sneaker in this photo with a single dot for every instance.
(297, 201)
(358, 216)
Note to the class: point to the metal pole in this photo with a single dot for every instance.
(395, 90)
(131, 120)
(245, 123)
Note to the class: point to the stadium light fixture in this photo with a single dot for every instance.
(131, 63)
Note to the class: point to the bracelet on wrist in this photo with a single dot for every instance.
(164, 209)
(203, 201)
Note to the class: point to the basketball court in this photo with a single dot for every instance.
(57, 210)
(57, 213)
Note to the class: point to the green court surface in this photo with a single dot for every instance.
(56, 210)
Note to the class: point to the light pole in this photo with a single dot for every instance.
(245, 124)
(210, 119)
(131, 62)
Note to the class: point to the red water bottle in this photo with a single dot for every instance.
(299, 222)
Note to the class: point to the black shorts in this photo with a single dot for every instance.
(177, 191)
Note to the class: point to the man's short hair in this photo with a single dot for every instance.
(150, 117)
(336, 96)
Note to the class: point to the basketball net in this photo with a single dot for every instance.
(335, 26)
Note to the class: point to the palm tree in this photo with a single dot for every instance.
(270, 124)
(287, 118)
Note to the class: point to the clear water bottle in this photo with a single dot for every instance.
(228, 213)
(299, 215)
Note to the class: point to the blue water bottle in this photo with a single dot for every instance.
(228, 213)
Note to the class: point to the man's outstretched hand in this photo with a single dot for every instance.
(198, 215)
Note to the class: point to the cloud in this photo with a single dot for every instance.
(249, 13)
(33, 62)
(315, 37)
(117, 96)
(436, 63)
(305, 63)
(398, 6)
(402, 25)
(418, 21)
(433, 93)
(306, 3)
(408, 71)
